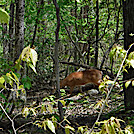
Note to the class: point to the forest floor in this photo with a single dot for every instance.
(80, 110)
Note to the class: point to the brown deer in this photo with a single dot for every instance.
(82, 78)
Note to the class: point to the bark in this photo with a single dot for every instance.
(97, 33)
(5, 44)
(19, 27)
(11, 31)
(128, 11)
(57, 60)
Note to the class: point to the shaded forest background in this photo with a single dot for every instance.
(91, 35)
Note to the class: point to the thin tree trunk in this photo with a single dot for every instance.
(57, 60)
(5, 44)
(128, 11)
(40, 6)
(97, 33)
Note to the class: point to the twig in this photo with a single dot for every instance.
(125, 80)
(8, 118)
(1, 90)
(110, 90)
(75, 64)
(24, 125)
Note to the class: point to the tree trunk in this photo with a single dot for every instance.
(11, 32)
(128, 11)
(97, 33)
(5, 44)
(19, 28)
(57, 60)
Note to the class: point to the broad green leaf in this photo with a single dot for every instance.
(54, 121)
(80, 129)
(11, 79)
(127, 83)
(131, 34)
(133, 83)
(4, 17)
(131, 56)
(21, 87)
(33, 67)
(50, 125)
(67, 128)
(33, 56)
(2, 80)
(132, 63)
(63, 102)
(25, 52)
(67, 131)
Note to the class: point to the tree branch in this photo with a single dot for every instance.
(8, 118)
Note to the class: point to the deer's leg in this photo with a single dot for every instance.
(80, 88)
(71, 89)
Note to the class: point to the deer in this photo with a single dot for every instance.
(80, 78)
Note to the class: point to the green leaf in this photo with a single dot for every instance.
(33, 56)
(8, 79)
(50, 125)
(82, 41)
(4, 17)
(50, 108)
(67, 128)
(25, 52)
(132, 63)
(63, 102)
(67, 131)
(18, 66)
(131, 56)
(131, 34)
(3, 96)
(80, 129)
(15, 76)
(27, 85)
(127, 83)
(33, 67)
(133, 83)
(25, 112)
(2, 80)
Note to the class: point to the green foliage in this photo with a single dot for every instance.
(68, 128)
(26, 81)
(130, 60)
(112, 126)
(4, 17)
(28, 55)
